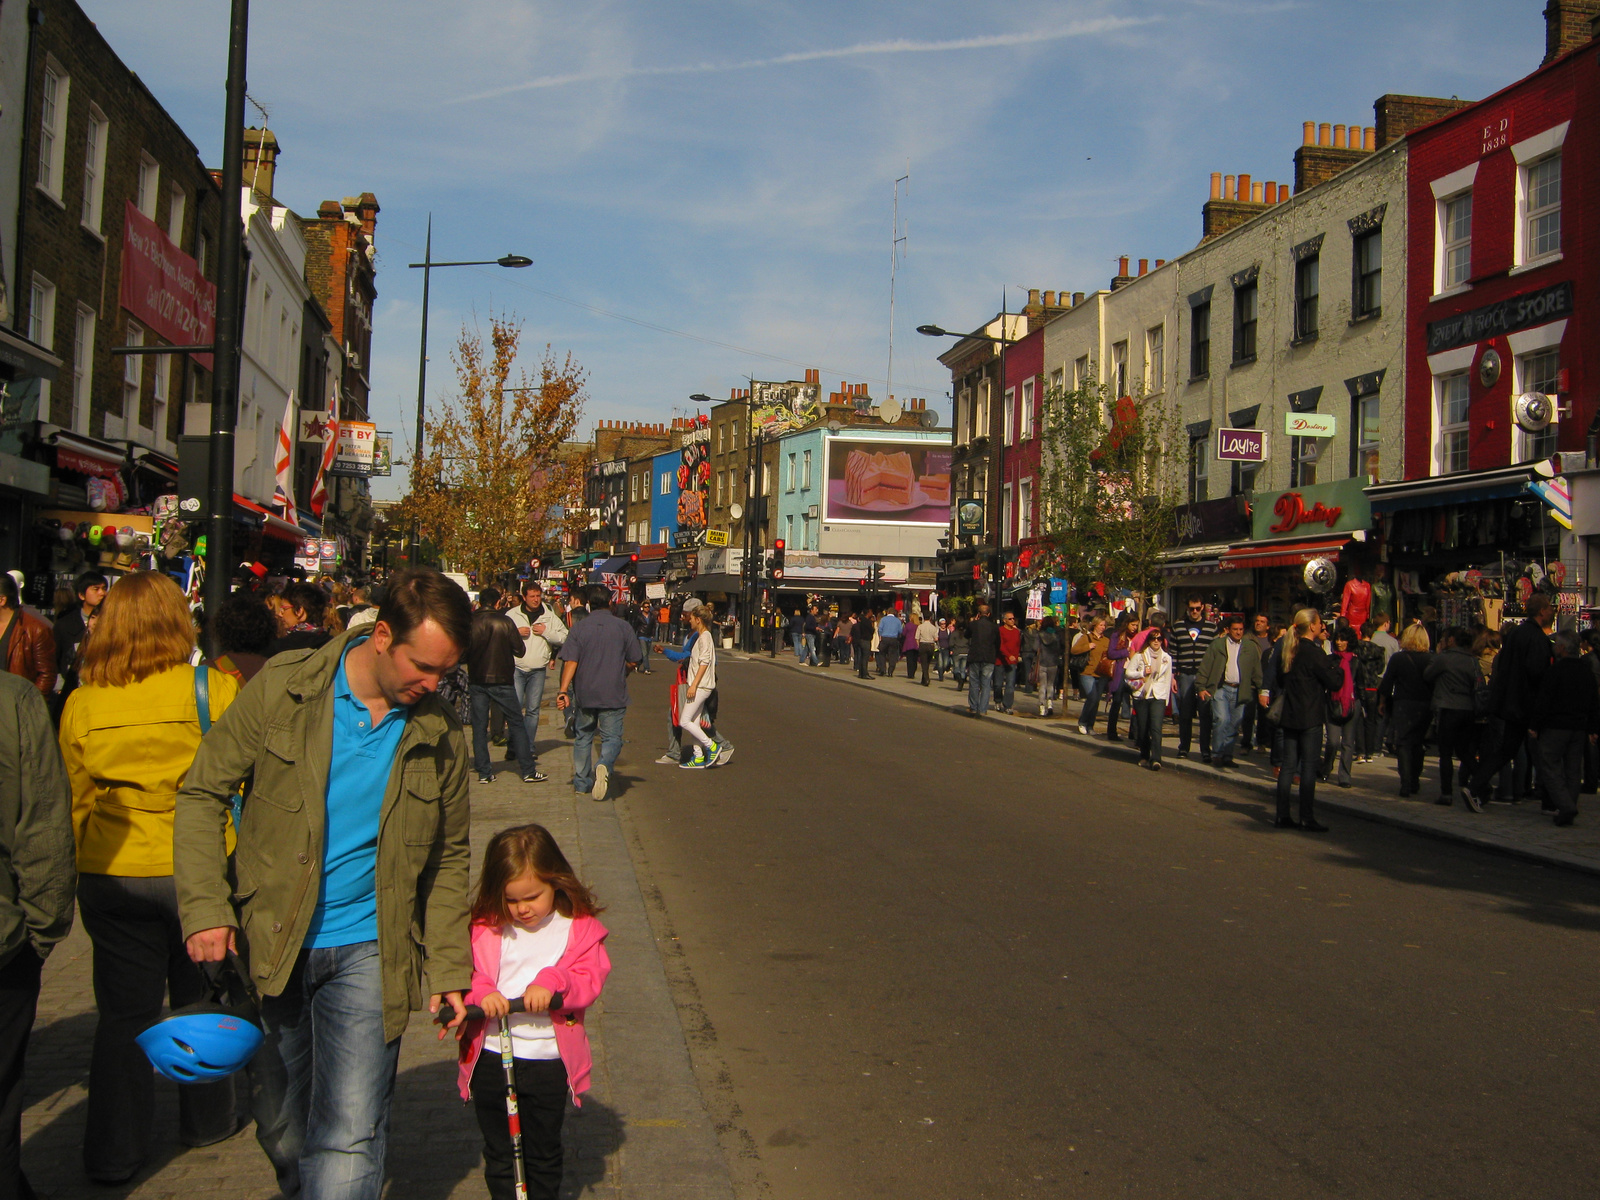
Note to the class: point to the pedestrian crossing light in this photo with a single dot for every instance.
(777, 558)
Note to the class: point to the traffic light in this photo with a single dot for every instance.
(777, 559)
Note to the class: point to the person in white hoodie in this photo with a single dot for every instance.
(542, 632)
(1149, 670)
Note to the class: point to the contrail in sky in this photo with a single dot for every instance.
(895, 46)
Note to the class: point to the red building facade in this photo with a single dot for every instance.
(1503, 262)
(1018, 431)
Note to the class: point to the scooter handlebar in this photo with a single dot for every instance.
(475, 1012)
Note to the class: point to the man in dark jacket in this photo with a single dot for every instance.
(1191, 637)
(1519, 669)
(983, 648)
(1564, 715)
(36, 889)
(491, 680)
(1455, 678)
(861, 640)
(72, 625)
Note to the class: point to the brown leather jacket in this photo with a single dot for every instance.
(491, 656)
(33, 651)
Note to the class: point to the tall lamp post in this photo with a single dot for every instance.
(427, 266)
(1002, 341)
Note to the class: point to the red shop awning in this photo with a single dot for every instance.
(1281, 554)
(87, 457)
(272, 526)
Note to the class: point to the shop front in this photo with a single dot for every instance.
(1192, 567)
(1295, 528)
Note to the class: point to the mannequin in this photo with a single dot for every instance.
(1383, 595)
(1355, 602)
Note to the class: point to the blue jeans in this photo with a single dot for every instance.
(1005, 684)
(1089, 685)
(1227, 710)
(504, 697)
(798, 641)
(530, 697)
(608, 722)
(644, 652)
(980, 682)
(324, 1076)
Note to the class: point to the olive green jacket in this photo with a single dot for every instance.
(277, 738)
(38, 862)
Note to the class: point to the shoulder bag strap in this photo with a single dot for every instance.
(202, 699)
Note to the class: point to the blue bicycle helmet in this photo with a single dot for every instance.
(201, 1042)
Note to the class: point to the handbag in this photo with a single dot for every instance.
(1275, 710)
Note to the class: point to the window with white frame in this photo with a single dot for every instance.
(980, 418)
(1455, 240)
(1080, 372)
(789, 486)
(964, 416)
(1027, 409)
(805, 531)
(94, 167)
(160, 389)
(1008, 419)
(149, 186)
(42, 329)
(202, 251)
(1024, 510)
(175, 207)
(1005, 516)
(1455, 428)
(82, 367)
(1541, 197)
(633, 487)
(788, 529)
(1058, 379)
(661, 536)
(805, 471)
(1155, 358)
(52, 129)
(1119, 368)
(1199, 468)
(665, 483)
(132, 378)
(1368, 435)
(719, 489)
(1539, 372)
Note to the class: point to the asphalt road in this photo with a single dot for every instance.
(921, 956)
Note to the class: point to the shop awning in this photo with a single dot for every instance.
(614, 565)
(1203, 559)
(650, 568)
(1281, 554)
(271, 526)
(27, 359)
(87, 456)
(1467, 487)
(716, 581)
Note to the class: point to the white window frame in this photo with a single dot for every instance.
(1528, 154)
(1376, 446)
(94, 170)
(1525, 344)
(1155, 358)
(1447, 188)
(1080, 372)
(53, 130)
(147, 188)
(1006, 509)
(1445, 389)
(1119, 368)
(177, 204)
(42, 332)
(792, 473)
(161, 395)
(964, 415)
(805, 471)
(1027, 409)
(82, 367)
(1453, 274)
(1009, 418)
(980, 419)
(132, 381)
(1025, 509)
(788, 530)
(719, 489)
(1058, 379)
(666, 483)
(1527, 214)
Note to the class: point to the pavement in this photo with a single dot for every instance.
(928, 957)
(643, 1132)
(1520, 830)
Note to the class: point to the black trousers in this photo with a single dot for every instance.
(1561, 765)
(19, 998)
(1301, 748)
(139, 960)
(863, 652)
(1513, 733)
(1458, 740)
(1408, 719)
(541, 1107)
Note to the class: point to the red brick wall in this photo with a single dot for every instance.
(1021, 460)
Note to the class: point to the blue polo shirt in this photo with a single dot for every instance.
(358, 775)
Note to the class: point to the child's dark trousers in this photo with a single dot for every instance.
(541, 1102)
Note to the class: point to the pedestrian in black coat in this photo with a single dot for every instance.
(1564, 715)
(1519, 670)
(1305, 678)
(1407, 697)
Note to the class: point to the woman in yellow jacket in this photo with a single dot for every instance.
(129, 734)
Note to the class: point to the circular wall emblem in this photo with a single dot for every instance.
(1489, 367)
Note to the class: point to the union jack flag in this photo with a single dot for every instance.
(620, 591)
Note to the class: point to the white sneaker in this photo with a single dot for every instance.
(666, 760)
(602, 777)
(724, 753)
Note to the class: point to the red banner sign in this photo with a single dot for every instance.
(162, 286)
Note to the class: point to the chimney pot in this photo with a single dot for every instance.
(1369, 138)
(1244, 189)
(1258, 195)
(1144, 266)
(1338, 137)
(1325, 134)
(1122, 265)
(1161, 262)
(1228, 187)
(1308, 134)
(1216, 185)
(1049, 299)
(1033, 297)
(1272, 192)
(1077, 299)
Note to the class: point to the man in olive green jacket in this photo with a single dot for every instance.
(38, 873)
(347, 896)
(1230, 681)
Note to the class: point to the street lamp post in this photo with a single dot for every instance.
(1002, 341)
(427, 266)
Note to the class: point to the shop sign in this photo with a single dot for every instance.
(1241, 445)
(1224, 520)
(716, 537)
(1505, 316)
(357, 446)
(1313, 425)
(383, 454)
(163, 288)
(969, 517)
(1312, 511)
(330, 550)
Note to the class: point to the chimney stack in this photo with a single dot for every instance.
(1077, 299)
(1122, 265)
(260, 160)
(1568, 24)
(1049, 299)
(1144, 266)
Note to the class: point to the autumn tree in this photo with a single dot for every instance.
(1113, 479)
(493, 487)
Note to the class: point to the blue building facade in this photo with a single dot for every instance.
(798, 488)
(664, 496)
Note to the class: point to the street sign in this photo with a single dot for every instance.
(1316, 425)
(716, 537)
(1241, 445)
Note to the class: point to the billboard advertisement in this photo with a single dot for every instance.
(694, 480)
(163, 288)
(887, 482)
(357, 444)
(778, 407)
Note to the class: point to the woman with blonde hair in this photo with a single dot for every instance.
(1407, 697)
(129, 734)
(1305, 678)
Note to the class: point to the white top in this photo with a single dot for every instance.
(523, 954)
(1230, 673)
(703, 651)
(536, 649)
(1152, 670)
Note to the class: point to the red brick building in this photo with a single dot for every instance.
(1020, 411)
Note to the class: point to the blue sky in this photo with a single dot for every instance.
(726, 169)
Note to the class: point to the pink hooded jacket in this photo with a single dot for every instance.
(578, 976)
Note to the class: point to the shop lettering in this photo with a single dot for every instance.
(1496, 136)
(1241, 445)
(1506, 316)
(1292, 513)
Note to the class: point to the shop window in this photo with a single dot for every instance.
(1541, 191)
(1200, 340)
(1155, 359)
(1307, 291)
(1538, 372)
(1455, 240)
(1244, 322)
(1367, 297)
(1455, 429)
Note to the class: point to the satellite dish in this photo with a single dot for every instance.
(1321, 575)
(890, 411)
(834, 426)
(930, 419)
(736, 511)
(1533, 411)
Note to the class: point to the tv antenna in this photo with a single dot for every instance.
(897, 245)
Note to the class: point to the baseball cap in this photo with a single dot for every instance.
(690, 605)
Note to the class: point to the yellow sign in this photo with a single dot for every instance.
(716, 537)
